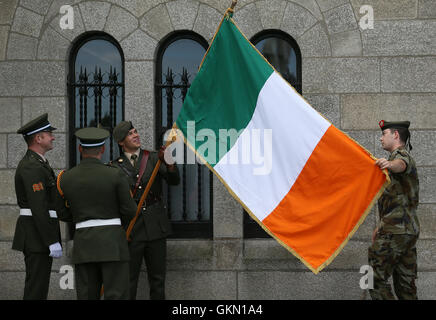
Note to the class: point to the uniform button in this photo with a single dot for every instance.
(140, 187)
(137, 176)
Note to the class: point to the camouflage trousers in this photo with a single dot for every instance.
(393, 255)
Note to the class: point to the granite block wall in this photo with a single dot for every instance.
(353, 76)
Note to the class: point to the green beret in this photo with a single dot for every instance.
(36, 125)
(92, 137)
(393, 124)
(121, 130)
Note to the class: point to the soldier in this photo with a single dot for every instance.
(148, 238)
(393, 251)
(37, 232)
(98, 201)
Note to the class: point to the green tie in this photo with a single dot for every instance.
(134, 157)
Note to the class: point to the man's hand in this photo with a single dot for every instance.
(166, 157)
(161, 154)
(383, 163)
(396, 166)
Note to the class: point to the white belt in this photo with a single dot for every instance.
(98, 223)
(28, 212)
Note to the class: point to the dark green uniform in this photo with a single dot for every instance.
(148, 238)
(95, 193)
(35, 188)
(393, 252)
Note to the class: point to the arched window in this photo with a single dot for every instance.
(283, 52)
(190, 203)
(95, 88)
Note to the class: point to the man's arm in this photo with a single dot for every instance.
(395, 166)
(62, 207)
(169, 172)
(36, 188)
(126, 202)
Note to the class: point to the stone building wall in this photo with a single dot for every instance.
(352, 76)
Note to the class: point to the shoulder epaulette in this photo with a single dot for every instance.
(33, 158)
(111, 164)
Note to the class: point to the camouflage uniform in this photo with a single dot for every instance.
(393, 251)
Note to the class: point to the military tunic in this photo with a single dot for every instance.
(399, 202)
(35, 187)
(93, 190)
(394, 249)
(148, 237)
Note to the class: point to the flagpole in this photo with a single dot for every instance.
(234, 3)
(170, 140)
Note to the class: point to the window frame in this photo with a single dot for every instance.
(77, 45)
(275, 33)
(181, 229)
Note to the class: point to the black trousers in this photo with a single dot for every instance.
(113, 275)
(38, 269)
(154, 253)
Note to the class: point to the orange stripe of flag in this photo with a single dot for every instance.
(334, 190)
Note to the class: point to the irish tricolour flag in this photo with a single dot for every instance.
(304, 181)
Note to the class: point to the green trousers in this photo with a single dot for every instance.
(38, 270)
(393, 255)
(154, 253)
(113, 275)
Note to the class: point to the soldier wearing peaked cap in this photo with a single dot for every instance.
(97, 200)
(37, 232)
(393, 251)
(148, 238)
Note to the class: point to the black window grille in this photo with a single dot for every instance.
(190, 203)
(283, 52)
(95, 88)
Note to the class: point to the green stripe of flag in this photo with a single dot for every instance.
(224, 93)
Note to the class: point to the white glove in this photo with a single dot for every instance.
(55, 250)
